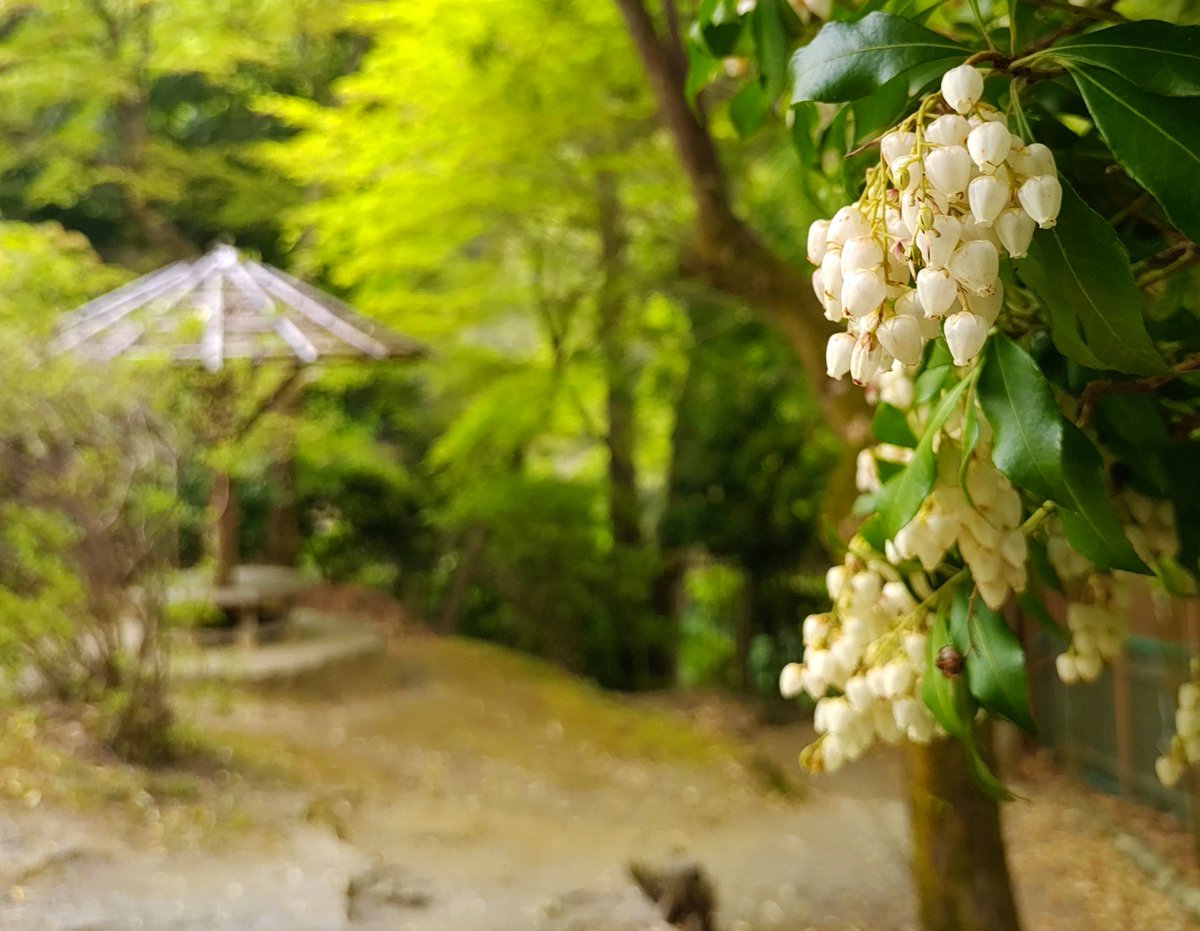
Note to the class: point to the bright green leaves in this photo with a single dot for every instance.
(1155, 139)
(772, 43)
(847, 61)
(1039, 451)
(902, 496)
(1159, 57)
(1080, 271)
(889, 426)
(995, 661)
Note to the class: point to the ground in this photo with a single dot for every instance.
(444, 784)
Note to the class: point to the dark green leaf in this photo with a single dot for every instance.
(1090, 523)
(1159, 57)
(701, 68)
(1080, 271)
(851, 60)
(872, 531)
(889, 426)
(947, 699)
(1155, 139)
(1027, 426)
(912, 486)
(748, 108)
(995, 663)
(772, 45)
(985, 778)
(719, 26)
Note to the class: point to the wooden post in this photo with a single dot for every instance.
(224, 524)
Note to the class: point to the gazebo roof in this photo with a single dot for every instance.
(222, 306)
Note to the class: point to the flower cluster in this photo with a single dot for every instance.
(871, 648)
(918, 254)
(1185, 745)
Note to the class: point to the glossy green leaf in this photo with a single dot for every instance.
(1080, 271)
(847, 61)
(912, 486)
(983, 776)
(772, 45)
(947, 699)
(1155, 139)
(995, 668)
(1158, 57)
(1027, 427)
(1090, 522)
(889, 426)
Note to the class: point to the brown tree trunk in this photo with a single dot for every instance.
(283, 521)
(224, 522)
(958, 850)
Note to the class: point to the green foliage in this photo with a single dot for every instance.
(1126, 48)
(994, 660)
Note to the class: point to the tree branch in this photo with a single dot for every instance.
(1104, 387)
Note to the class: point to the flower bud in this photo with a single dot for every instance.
(815, 628)
(962, 87)
(861, 253)
(988, 145)
(901, 337)
(950, 129)
(1015, 228)
(1041, 196)
(895, 144)
(816, 241)
(965, 335)
(1068, 672)
(975, 265)
(866, 359)
(987, 196)
(791, 680)
(846, 224)
(1033, 160)
(837, 355)
(897, 678)
(914, 649)
(937, 291)
(866, 475)
(948, 169)
(1169, 770)
(858, 693)
(1089, 665)
(938, 242)
(906, 171)
(862, 292)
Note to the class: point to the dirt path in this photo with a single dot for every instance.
(451, 785)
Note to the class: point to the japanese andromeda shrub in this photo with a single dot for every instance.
(996, 323)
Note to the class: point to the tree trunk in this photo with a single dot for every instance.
(958, 862)
(283, 521)
(958, 850)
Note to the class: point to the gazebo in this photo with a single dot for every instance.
(218, 308)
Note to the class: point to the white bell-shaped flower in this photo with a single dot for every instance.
(906, 172)
(837, 354)
(831, 274)
(987, 196)
(948, 169)
(975, 265)
(861, 253)
(965, 335)
(895, 387)
(1033, 160)
(950, 129)
(962, 87)
(936, 290)
(791, 680)
(988, 145)
(987, 306)
(847, 223)
(817, 234)
(897, 144)
(937, 243)
(901, 337)
(866, 359)
(912, 204)
(1015, 228)
(818, 283)
(862, 292)
(1041, 196)
(1169, 769)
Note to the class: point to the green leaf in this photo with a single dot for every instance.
(1080, 271)
(985, 778)
(701, 68)
(719, 27)
(772, 45)
(947, 699)
(847, 61)
(912, 486)
(938, 369)
(748, 108)
(889, 426)
(995, 667)
(1027, 426)
(1090, 523)
(1155, 139)
(1159, 57)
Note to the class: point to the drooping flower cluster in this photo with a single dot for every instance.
(1098, 612)
(871, 648)
(918, 254)
(1185, 745)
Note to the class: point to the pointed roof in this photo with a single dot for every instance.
(222, 306)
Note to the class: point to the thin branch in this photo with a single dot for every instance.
(1105, 387)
